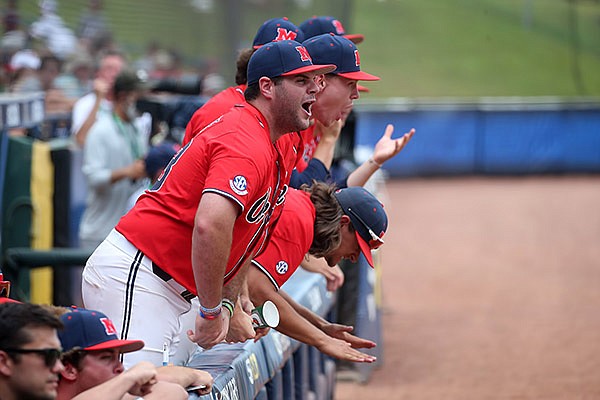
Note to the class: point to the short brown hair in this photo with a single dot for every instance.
(327, 235)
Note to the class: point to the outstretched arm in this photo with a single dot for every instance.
(385, 149)
(295, 325)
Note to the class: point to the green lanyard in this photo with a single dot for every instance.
(129, 132)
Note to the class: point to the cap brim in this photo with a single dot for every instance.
(7, 300)
(124, 346)
(317, 69)
(359, 76)
(365, 249)
(355, 38)
(363, 89)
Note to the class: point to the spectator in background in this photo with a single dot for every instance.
(92, 23)
(13, 38)
(23, 66)
(87, 107)
(112, 162)
(29, 352)
(52, 32)
(77, 79)
(93, 371)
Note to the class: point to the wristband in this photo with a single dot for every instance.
(228, 304)
(209, 313)
(372, 161)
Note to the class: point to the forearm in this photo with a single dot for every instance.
(238, 284)
(211, 245)
(325, 150)
(115, 388)
(361, 175)
(81, 134)
(304, 312)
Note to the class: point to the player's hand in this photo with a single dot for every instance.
(335, 278)
(329, 133)
(240, 327)
(209, 332)
(342, 332)
(387, 147)
(342, 350)
(186, 377)
(261, 332)
(142, 377)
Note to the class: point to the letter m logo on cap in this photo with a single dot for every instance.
(304, 56)
(109, 327)
(284, 34)
(357, 58)
(339, 28)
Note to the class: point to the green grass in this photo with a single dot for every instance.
(418, 47)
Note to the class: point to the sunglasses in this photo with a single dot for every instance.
(51, 356)
(375, 241)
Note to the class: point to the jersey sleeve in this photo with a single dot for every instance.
(233, 174)
(279, 261)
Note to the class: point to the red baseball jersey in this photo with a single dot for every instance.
(291, 239)
(218, 105)
(310, 144)
(233, 157)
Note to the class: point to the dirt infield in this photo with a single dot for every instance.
(491, 290)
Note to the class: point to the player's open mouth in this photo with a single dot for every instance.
(307, 107)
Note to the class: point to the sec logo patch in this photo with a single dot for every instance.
(239, 185)
(281, 267)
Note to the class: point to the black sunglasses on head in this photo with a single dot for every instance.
(51, 356)
(375, 241)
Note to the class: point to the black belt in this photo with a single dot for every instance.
(158, 271)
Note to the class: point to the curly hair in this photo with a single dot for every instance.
(241, 76)
(327, 234)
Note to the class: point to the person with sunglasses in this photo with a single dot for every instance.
(324, 222)
(93, 369)
(29, 352)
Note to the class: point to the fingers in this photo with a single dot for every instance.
(389, 129)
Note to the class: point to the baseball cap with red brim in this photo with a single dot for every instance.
(276, 29)
(337, 50)
(316, 26)
(283, 58)
(92, 330)
(368, 218)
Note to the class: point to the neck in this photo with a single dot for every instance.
(120, 112)
(274, 131)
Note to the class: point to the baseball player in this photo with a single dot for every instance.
(323, 222)
(272, 30)
(207, 216)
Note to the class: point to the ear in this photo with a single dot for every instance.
(69, 373)
(6, 364)
(266, 87)
(345, 220)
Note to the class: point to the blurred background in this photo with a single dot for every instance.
(433, 48)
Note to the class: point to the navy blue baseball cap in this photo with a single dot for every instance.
(158, 157)
(337, 50)
(92, 330)
(316, 26)
(277, 29)
(283, 58)
(367, 215)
